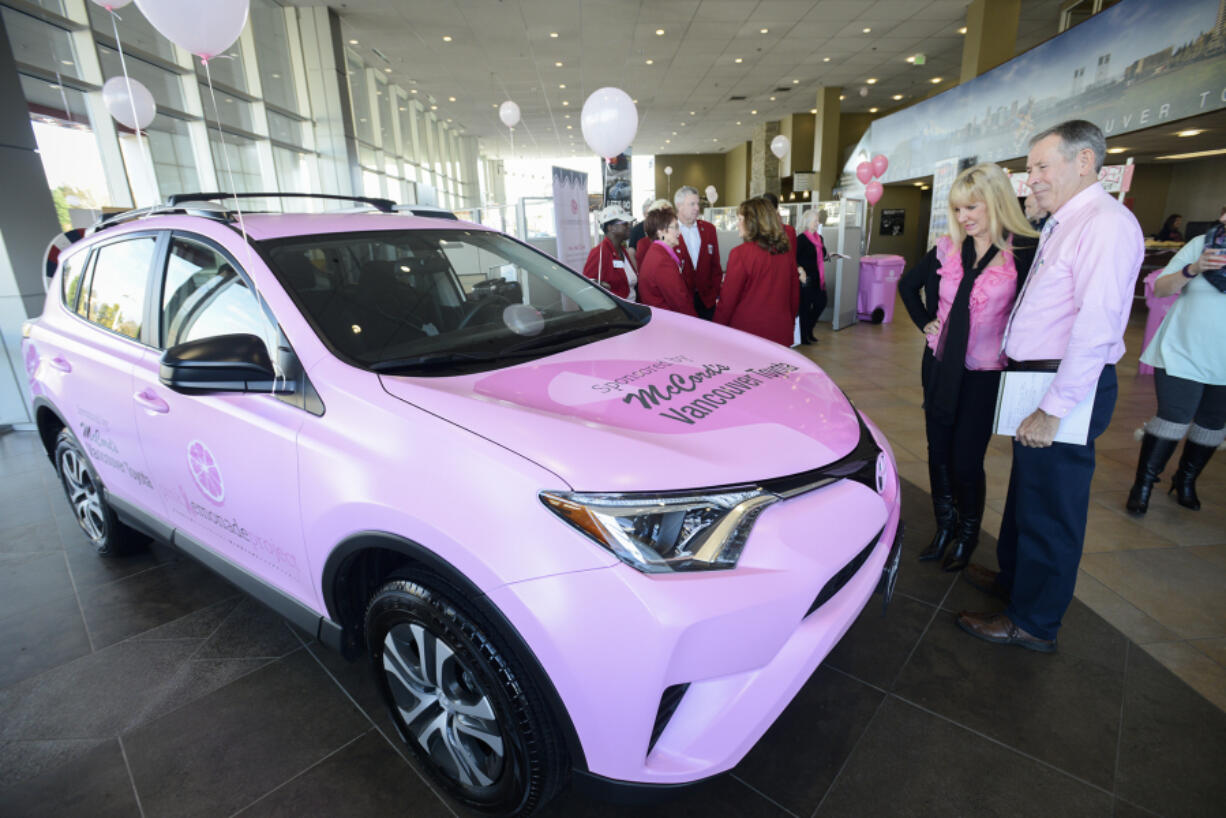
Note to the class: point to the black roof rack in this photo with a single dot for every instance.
(382, 205)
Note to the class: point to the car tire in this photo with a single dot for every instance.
(466, 707)
(84, 491)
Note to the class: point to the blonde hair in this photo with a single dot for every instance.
(813, 219)
(989, 184)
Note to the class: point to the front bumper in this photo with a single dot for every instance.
(743, 642)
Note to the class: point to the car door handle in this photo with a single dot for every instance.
(61, 363)
(152, 402)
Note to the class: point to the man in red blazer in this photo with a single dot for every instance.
(699, 253)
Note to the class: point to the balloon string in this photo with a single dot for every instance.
(273, 343)
(127, 81)
(59, 83)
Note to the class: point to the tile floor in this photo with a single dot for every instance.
(147, 687)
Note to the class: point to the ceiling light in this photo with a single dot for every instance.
(446, 38)
(692, 113)
(923, 187)
(868, 31)
(562, 85)
(414, 91)
(872, 110)
(754, 112)
(842, 97)
(433, 107)
(553, 34)
(813, 110)
(557, 65)
(1194, 154)
(918, 184)
(1190, 132)
(659, 32)
(738, 122)
(796, 82)
(825, 59)
(668, 141)
(962, 30)
(897, 97)
(353, 42)
(564, 116)
(935, 80)
(451, 99)
(772, 99)
(387, 70)
(674, 133)
(764, 31)
(566, 102)
(911, 59)
(1116, 150)
(871, 80)
(570, 127)
(738, 60)
(650, 62)
(634, 101)
(449, 119)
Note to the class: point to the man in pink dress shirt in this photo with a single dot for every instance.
(1069, 318)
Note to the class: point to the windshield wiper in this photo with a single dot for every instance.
(432, 360)
(571, 334)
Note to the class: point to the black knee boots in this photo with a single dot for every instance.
(946, 514)
(1191, 463)
(1155, 451)
(970, 499)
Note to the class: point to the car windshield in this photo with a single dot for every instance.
(438, 302)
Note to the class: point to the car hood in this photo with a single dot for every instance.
(679, 403)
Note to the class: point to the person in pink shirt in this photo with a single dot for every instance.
(977, 269)
(1069, 319)
(661, 280)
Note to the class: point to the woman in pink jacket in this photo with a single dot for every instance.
(761, 291)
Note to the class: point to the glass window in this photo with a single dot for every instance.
(276, 69)
(166, 86)
(386, 100)
(204, 296)
(244, 163)
(406, 130)
(117, 289)
(437, 301)
(285, 129)
(53, 6)
(135, 32)
(293, 170)
(41, 44)
(72, 270)
(173, 158)
(359, 94)
(232, 111)
(227, 69)
(67, 147)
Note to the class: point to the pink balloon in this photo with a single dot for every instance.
(864, 172)
(873, 191)
(880, 164)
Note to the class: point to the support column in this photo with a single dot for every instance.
(991, 35)
(328, 87)
(27, 225)
(826, 142)
(764, 173)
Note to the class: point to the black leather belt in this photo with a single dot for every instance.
(1032, 366)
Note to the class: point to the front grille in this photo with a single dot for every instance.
(668, 705)
(844, 575)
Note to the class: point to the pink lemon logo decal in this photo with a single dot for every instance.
(205, 472)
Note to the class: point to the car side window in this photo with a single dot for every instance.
(72, 273)
(204, 296)
(117, 287)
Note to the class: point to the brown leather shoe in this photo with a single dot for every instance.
(1001, 630)
(986, 580)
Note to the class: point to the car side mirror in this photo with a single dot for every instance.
(223, 363)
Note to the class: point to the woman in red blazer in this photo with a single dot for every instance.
(644, 244)
(661, 282)
(608, 263)
(761, 292)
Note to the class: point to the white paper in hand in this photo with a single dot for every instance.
(1019, 396)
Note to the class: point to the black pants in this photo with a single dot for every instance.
(1183, 401)
(1044, 524)
(961, 447)
(812, 305)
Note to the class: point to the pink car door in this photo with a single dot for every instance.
(225, 464)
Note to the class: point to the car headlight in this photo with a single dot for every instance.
(662, 533)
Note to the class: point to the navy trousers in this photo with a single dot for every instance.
(1044, 524)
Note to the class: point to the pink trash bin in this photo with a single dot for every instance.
(1158, 308)
(878, 289)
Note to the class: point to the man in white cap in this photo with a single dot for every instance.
(608, 263)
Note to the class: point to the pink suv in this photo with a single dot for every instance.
(574, 537)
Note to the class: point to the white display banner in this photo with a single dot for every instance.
(570, 217)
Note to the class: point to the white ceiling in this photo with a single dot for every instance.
(502, 49)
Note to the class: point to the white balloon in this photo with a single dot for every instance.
(609, 121)
(780, 145)
(206, 29)
(508, 112)
(123, 96)
(668, 170)
(111, 5)
(712, 194)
